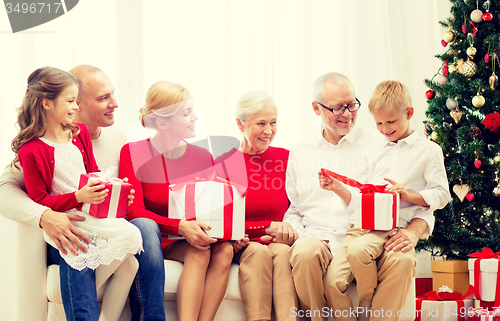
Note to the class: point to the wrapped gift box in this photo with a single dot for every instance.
(115, 204)
(374, 208)
(487, 276)
(480, 314)
(216, 202)
(453, 273)
(456, 310)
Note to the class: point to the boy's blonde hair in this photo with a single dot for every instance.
(389, 95)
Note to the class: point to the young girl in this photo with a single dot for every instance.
(152, 165)
(53, 152)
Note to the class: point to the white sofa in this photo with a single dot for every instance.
(39, 296)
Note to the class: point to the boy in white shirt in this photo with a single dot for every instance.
(415, 168)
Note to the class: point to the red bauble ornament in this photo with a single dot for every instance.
(477, 163)
(469, 196)
(487, 16)
(429, 94)
(486, 58)
(464, 28)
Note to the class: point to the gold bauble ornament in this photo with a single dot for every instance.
(469, 68)
(478, 101)
(452, 68)
(456, 114)
(434, 136)
(448, 36)
(493, 80)
(471, 51)
(476, 16)
(496, 159)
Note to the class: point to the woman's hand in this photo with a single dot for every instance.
(195, 234)
(239, 245)
(131, 195)
(92, 193)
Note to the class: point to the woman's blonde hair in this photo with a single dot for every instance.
(43, 83)
(252, 102)
(162, 100)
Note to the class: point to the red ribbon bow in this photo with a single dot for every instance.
(434, 296)
(487, 253)
(368, 195)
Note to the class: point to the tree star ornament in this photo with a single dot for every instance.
(461, 190)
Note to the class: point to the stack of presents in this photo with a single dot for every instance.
(461, 290)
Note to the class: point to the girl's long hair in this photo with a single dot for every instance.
(43, 83)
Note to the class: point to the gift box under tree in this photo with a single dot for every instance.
(480, 314)
(212, 200)
(375, 208)
(453, 273)
(116, 203)
(444, 305)
(483, 275)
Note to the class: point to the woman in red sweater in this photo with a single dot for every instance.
(265, 275)
(151, 166)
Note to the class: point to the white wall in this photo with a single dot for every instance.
(220, 49)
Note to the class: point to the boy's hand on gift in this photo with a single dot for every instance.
(398, 188)
(60, 229)
(195, 234)
(92, 193)
(410, 197)
(402, 239)
(329, 183)
(240, 244)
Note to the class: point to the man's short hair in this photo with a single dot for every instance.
(330, 77)
(80, 72)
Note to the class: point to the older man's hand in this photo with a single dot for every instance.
(402, 239)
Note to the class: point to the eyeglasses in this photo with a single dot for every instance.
(341, 109)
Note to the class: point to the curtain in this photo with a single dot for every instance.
(223, 48)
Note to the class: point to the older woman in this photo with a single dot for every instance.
(151, 166)
(265, 274)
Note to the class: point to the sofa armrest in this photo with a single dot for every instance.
(31, 266)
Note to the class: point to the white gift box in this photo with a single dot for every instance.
(376, 211)
(210, 202)
(445, 310)
(488, 278)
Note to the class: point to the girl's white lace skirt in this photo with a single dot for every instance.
(110, 239)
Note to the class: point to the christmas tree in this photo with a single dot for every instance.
(464, 119)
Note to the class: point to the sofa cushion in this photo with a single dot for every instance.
(173, 270)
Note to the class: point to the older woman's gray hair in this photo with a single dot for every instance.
(252, 102)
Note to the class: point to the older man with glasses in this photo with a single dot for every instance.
(321, 219)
